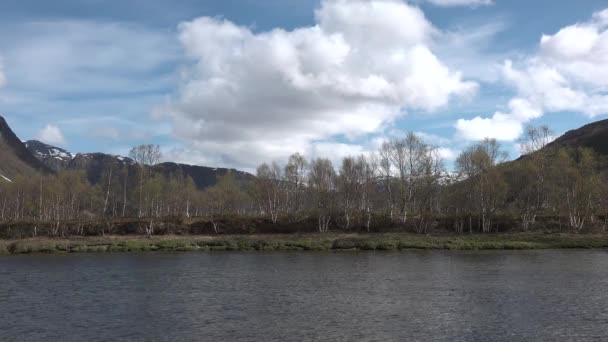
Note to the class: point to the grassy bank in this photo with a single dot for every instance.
(307, 242)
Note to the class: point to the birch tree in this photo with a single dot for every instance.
(269, 189)
(349, 187)
(478, 164)
(531, 184)
(296, 178)
(145, 156)
(323, 188)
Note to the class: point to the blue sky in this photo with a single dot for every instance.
(237, 82)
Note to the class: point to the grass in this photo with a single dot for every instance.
(308, 242)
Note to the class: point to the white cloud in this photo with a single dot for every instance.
(452, 3)
(447, 153)
(469, 48)
(336, 151)
(258, 96)
(51, 134)
(501, 126)
(571, 71)
(433, 139)
(569, 74)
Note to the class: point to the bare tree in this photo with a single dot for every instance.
(532, 193)
(369, 187)
(144, 155)
(387, 177)
(225, 197)
(576, 185)
(323, 187)
(535, 139)
(428, 185)
(148, 155)
(478, 164)
(269, 189)
(407, 157)
(296, 178)
(349, 186)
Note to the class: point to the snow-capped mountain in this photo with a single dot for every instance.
(43, 150)
(448, 178)
(59, 159)
(95, 164)
(54, 157)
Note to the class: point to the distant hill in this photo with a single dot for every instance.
(202, 176)
(94, 164)
(15, 158)
(34, 157)
(593, 136)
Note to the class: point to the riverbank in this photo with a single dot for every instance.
(304, 242)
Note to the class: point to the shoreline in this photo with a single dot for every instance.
(304, 242)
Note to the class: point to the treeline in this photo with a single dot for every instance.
(403, 186)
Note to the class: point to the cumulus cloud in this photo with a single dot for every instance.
(51, 134)
(453, 3)
(254, 96)
(433, 139)
(505, 126)
(569, 74)
(447, 153)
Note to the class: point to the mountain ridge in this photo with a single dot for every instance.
(15, 158)
(593, 135)
(94, 164)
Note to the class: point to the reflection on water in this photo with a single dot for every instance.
(430, 296)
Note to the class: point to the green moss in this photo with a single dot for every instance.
(313, 242)
(115, 248)
(415, 244)
(190, 248)
(387, 245)
(340, 244)
(29, 246)
(4, 248)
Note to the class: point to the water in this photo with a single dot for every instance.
(429, 296)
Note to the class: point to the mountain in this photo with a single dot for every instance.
(58, 159)
(15, 158)
(202, 176)
(593, 136)
(94, 164)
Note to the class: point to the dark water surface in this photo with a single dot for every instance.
(430, 296)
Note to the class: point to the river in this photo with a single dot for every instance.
(409, 296)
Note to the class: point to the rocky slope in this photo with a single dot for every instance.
(15, 158)
(593, 135)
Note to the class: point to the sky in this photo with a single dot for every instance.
(233, 83)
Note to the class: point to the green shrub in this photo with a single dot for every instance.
(344, 244)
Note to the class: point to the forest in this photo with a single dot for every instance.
(404, 186)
